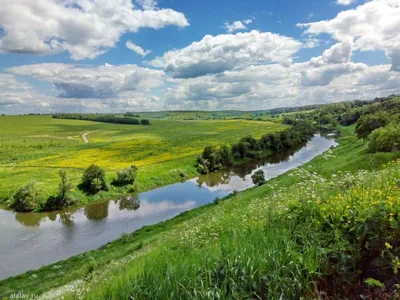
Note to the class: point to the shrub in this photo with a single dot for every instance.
(258, 177)
(62, 199)
(126, 176)
(26, 198)
(368, 123)
(93, 179)
(386, 139)
(144, 122)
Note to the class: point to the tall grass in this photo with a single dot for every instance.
(278, 247)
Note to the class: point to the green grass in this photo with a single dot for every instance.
(278, 240)
(36, 147)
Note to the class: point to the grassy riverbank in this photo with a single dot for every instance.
(285, 237)
(37, 147)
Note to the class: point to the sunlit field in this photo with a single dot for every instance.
(36, 147)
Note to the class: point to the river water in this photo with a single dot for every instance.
(31, 240)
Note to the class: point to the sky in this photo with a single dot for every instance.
(148, 55)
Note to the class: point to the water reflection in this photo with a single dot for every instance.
(96, 211)
(29, 219)
(67, 219)
(130, 202)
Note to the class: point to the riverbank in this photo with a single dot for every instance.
(128, 254)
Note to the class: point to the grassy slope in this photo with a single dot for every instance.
(190, 235)
(36, 147)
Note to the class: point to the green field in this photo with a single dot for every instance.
(36, 147)
(313, 215)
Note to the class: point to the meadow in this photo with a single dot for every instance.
(37, 147)
(293, 237)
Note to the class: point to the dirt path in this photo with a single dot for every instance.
(84, 136)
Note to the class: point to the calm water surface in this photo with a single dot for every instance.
(31, 240)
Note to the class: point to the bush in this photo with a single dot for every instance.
(26, 198)
(126, 176)
(258, 177)
(368, 123)
(386, 139)
(144, 122)
(93, 179)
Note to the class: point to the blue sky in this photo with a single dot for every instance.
(119, 55)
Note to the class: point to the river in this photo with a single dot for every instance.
(31, 240)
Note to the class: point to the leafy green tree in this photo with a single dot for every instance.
(385, 139)
(144, 122)
(258, 177)
(26, 198)
(126, 175)
(368, 123)
(93, 179)
(225, 154)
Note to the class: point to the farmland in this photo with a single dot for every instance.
(37, 147)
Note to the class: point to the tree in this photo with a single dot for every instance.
(62, 199)
(368, 123)
(385, 139)
(93, 179)
(145, 122)
(64, 187)
(258, 177)
(126, 176)
(26, 198)
(225, 154)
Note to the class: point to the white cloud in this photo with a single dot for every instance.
(84, 28)
(215, 54)
(345, 2)
(147, 4)
(135, 48)
(371, 26)
(93, 82)
(237, 25)
(338, 53)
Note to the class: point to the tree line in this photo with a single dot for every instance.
(27, 197)
(213, 158)
(377, 122)
(103, 118)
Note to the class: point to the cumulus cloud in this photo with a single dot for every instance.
(93, 82)
(345, 2)
(237, 25)
(338, 53)
(135, 48)
(371, 26)
(215, 54)
(84, 28)
(326, 74)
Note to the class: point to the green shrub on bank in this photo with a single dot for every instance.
(386, 139)
(26, 198)
(93, 179)
(126, 176)
(368, 123)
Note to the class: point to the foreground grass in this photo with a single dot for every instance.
(277, 240)
(36, 147)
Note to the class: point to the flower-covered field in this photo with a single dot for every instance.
(37, 147)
